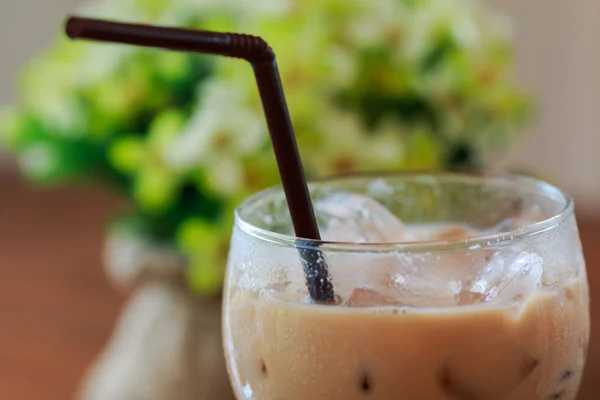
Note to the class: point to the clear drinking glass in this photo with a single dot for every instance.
(486, 298)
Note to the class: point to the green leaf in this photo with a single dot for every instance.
(19, 129)
(438, 54)
(422, 152)
(48, 161)
(205, 278)
(155, 189)
(408, 108)
(127, 154)
(165, 127)
(195, 234)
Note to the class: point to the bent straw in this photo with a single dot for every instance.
(262, 58)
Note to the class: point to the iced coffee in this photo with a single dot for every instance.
(447, 287)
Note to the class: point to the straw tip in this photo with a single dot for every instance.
(73, 27)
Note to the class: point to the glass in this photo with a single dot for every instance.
(502, 314)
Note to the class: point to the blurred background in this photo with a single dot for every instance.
(56, 304)
(556, 59)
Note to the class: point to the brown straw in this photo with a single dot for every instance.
(258, 53)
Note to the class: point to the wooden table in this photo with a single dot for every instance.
(57, 310)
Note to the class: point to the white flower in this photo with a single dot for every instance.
(466, 32)
(262, 8)
(346, 146)
(386, 145)
(49, 94)
(99, 62)
(373, 21)
(224, 176)
(124, 10)
(343, 66)
(223, 127)
(38, 160)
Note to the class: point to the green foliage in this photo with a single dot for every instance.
(387, 84)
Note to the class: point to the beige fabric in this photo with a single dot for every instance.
(167, 344)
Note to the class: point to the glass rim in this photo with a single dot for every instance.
(481, 241)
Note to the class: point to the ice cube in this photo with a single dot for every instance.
(506, 365)
(408, 290)
(363, 297)
(347, 217)
(426, 289)
(509, 276)
(430, 279)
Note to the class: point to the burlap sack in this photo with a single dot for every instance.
(167, 343)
